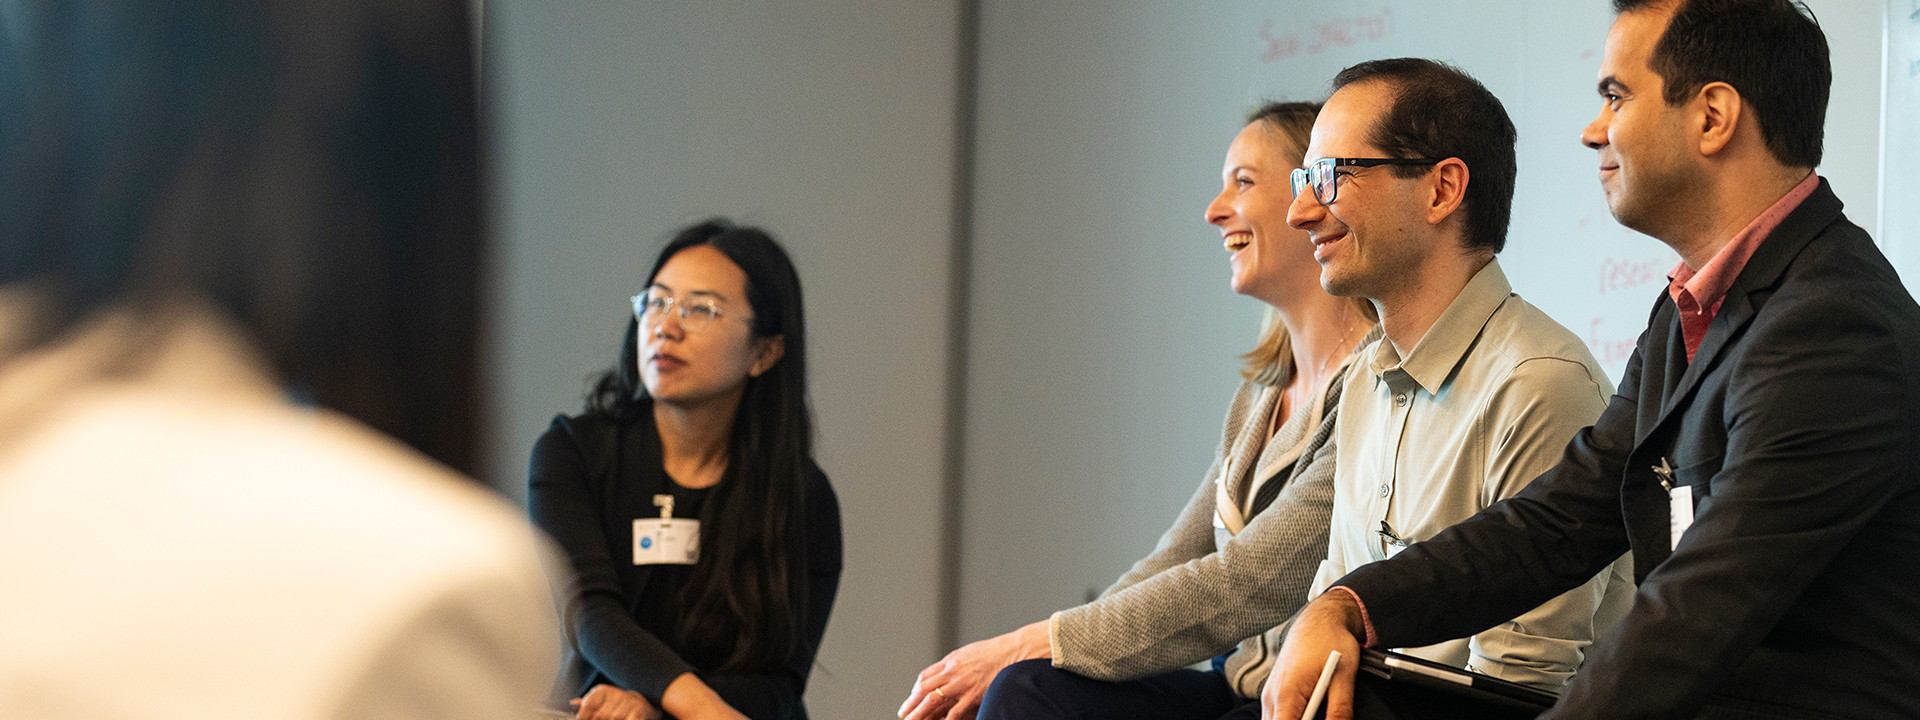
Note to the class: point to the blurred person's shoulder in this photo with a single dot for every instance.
(205, 543)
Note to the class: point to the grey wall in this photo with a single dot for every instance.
(830, 122)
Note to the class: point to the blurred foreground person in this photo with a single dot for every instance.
(233, 236)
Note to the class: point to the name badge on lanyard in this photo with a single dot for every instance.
(666, 541)
(1679, 504)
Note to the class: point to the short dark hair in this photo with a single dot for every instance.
(1771, 51)
(312, 172)
(1439, 111)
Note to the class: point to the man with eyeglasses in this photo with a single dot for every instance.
(1762, 460)
(1472, 392)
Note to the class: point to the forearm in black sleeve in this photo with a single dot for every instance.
(596, 618)
(628, 654)
(1549, 538)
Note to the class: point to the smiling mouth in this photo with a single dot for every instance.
(1320, 243)
(1235, 241)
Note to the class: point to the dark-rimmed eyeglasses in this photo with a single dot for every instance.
(1322, 174)
(695, 314)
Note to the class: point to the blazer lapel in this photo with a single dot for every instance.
(1275, 456)
(1236, 476)
(1761, 274)
(1663, 365)
(1735, 313)
(1675, 357)
(1663, 361)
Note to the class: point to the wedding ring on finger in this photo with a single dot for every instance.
(942, 695)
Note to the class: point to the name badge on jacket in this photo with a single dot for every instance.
(1679, 504)
(665, 541)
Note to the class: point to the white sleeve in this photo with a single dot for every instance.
(487, 650)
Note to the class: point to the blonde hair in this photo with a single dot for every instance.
(1270, 362)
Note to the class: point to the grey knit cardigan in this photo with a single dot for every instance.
(1190, 600)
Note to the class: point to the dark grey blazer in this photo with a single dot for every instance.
(1796, 592)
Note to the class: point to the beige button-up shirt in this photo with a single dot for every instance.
(1485, 402)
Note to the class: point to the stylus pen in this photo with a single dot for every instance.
(1320, 688)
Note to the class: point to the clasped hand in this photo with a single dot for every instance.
(951, 689)
(688, 698)
(606, 702)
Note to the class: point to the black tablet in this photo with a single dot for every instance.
(1395, 667)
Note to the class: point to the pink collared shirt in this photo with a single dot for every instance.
(1698, 294)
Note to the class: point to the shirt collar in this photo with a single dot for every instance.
(1434, 357)
(1706, 287)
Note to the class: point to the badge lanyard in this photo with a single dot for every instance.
(665, 541)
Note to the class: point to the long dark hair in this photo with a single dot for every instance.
(745, 600)
(311, 171)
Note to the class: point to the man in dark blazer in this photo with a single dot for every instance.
(1762, 458)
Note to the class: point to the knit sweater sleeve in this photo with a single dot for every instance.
(1168, 613)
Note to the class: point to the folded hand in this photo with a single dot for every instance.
(951, 689)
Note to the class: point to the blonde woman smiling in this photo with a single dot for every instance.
(1240, 558)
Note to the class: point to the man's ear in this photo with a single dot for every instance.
(1449, 179)
(1717, 111)
(767, 353)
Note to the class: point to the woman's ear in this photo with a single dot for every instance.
(767, 353)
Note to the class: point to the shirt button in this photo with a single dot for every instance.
(1400, 400)
(1384, 490)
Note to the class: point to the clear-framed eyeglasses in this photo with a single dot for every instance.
(1323, 175)
(695, 315)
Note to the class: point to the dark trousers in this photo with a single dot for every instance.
(1036, 690)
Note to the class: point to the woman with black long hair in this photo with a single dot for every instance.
(705, 542)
